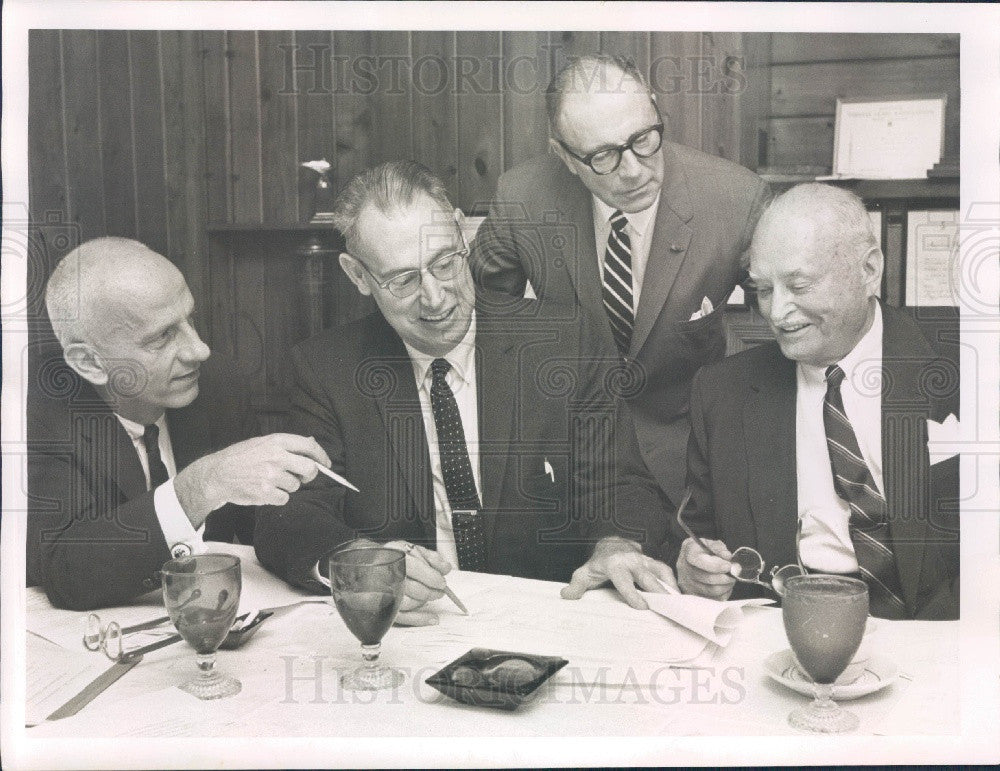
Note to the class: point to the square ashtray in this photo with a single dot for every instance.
(501, 679)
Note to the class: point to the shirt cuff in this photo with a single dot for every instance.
(181, 537)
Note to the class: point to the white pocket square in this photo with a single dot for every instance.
(943, 439)
(704, 310)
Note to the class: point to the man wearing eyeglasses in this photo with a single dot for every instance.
(640, 234)
(824, 448)
(473, 429)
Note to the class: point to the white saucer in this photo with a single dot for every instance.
(879, 673)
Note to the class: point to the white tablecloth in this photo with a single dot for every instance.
(290, 669)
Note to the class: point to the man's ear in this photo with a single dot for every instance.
(557, 148)
(86, 362)
(873, 265)
(355, 272)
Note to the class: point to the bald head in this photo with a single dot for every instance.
(102, 283)
(817, 267)
(822, 215)
(122, 314)
(585, 76)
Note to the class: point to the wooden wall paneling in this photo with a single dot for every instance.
(147, 128)
(564, 45)
(812, 89)
(47, 178)
(800, 141)
(354, 115)
(278, 131)
(435, 102)
(392, 127)
(314, 110)
(634, 45)
(184, 124)
(674, 59)
(527, 73)
(800, 47)
(83, 134)
(254, 304)
(116, 133)
(753, 103)
(480, 120)
(244, 116)
(717, 81)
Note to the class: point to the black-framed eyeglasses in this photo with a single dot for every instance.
(443, 268)
(643, 143)
(746, 564)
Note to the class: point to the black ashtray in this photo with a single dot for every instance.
(501, 679)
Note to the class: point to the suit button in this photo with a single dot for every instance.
(676, 248)
(180, 550)
(148, 583)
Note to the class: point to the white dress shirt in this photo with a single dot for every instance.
(462, 380)
(640, 233)
(826, 540)
(181, 537)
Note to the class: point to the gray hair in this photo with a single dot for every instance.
(839, 216)
(88, 280)
(584, 74)
(388, 187)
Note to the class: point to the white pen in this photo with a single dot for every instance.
(336, 477)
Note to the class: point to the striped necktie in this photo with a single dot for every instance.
(869, 521)
(459, 483)
(617, 287)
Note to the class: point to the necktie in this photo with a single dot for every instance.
(617, 287)
(157, 470)
(869, 522)
(470, 534)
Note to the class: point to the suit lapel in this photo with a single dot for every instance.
(496, 389)
(402, 419)
(583, 264)
(905, 462)
(771, 472)
(667, 251)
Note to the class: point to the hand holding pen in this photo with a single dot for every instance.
(425, 572)
(703, 568)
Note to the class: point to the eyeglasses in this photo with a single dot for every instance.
(643, 143)
(110, 638)
(746, 564)
(443, 268)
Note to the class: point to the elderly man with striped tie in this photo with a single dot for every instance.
(815, 449)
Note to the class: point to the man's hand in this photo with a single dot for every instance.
(257, 472)
(623, 563)
(704, 574)
(425, 571)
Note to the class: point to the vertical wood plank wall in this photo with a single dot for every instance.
(156, 134)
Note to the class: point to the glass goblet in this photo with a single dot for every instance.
(366, 581)
(825, 617)
(202, 595)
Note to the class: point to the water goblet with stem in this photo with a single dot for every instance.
(366, 581)
(825, 617)
(202, 596)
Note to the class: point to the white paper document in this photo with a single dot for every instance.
(55, 675)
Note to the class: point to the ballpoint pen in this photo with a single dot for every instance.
(447, 589)
(688, 530)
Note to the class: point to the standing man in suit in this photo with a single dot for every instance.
(110, 497)
(827, 428)
(476, 432)
(642, 235)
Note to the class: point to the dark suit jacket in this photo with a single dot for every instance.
(538, 400)
(93, 537)
(541, 229)
(741, 462)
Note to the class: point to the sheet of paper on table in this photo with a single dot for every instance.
(54, 675)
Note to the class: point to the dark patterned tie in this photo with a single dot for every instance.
(466, 521)
(617, 287)
(157, 470)
(869, 522)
